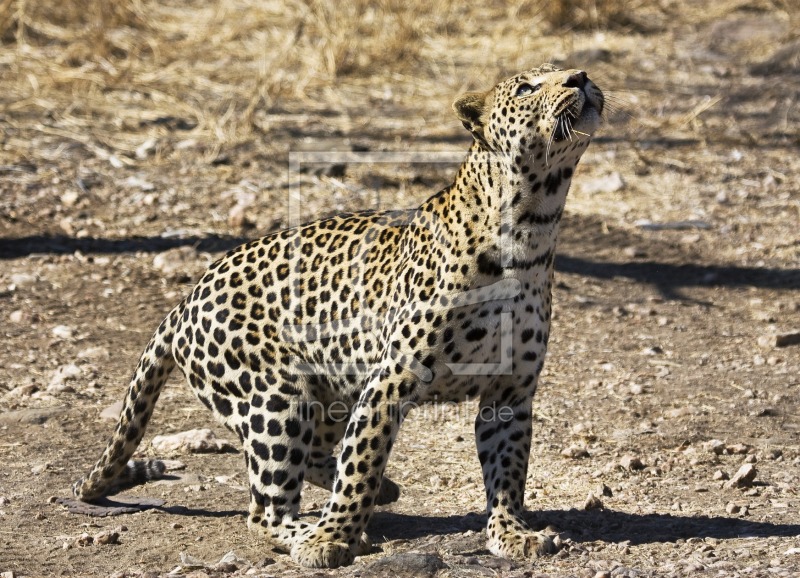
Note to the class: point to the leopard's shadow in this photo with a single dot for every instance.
(582, 526)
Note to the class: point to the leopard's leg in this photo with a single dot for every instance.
(337, 538)
(503, 437)
(276, 448)
(321, 464)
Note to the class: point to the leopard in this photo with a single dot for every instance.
(314, 343)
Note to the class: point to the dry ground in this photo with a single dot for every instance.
(140, 141)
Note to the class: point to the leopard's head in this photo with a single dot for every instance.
(545, 113)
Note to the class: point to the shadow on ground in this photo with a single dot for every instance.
(582, 526)
(667, 278)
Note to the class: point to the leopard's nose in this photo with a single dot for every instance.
(576, 80)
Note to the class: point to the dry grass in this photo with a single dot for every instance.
(113, 75)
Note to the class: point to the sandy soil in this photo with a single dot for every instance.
(679, 265)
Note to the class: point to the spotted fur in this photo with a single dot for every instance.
(327, 333)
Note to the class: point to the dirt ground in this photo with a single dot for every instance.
(126, 168)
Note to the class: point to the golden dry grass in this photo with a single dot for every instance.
(111, 75)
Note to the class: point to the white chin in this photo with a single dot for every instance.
(588, 121)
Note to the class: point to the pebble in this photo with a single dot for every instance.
(112, 411)
(592, 503)
(575, 452)
(744, 477)
(189, 561)
(631, 463)
(94, 353)
(233, 559)
(22, 391)
(719, 475)
(63, 331)
(62, 375)
(105, 537)
(16, 316)
(135, 182)
(609, 183)
(201, 440)
(178, 262)
(19, 280)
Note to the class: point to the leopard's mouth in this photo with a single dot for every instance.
(578, 118)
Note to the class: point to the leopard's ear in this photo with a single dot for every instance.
(470, 108)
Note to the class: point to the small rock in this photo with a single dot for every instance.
(679, 412)
(604, 490)
(106, 537)
(609, 183)
(232, 562)
(63, 331)
(22, 280)
(94, 353)
(740, 449)
(774, 454)
(135, 182)
(193, 441)
(744, 477)
(62, 375)
(631, 463)
(189, 561)
(178, 262)
(715, 446)
(70, 198)
(112, 411)
(575, 452)
(238, 216)
(16, 316)
(592, 503)
(634, 252)
(732, 508)
(22, 391)
(4, 501)
(84, 540)
(719, 475)
(39, 469)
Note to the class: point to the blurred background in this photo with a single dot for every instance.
(212, 94)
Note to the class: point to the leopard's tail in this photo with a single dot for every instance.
(115, 470)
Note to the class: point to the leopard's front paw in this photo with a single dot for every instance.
(521, 545)
(510, 537)
(322, 552)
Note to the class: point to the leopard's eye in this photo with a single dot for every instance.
(526, 89)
